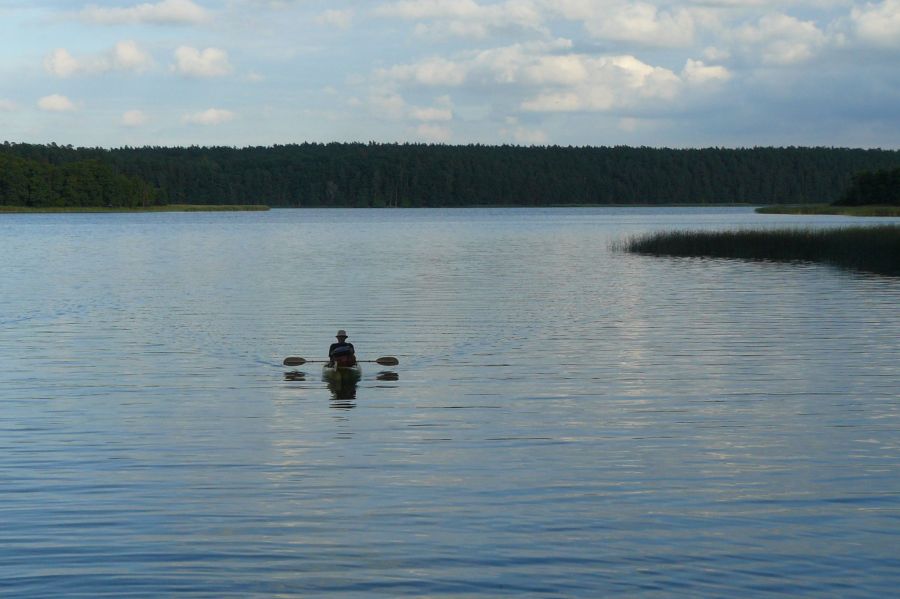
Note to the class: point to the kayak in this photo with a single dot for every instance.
(344, 374)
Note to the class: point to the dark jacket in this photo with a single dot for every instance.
(338, 346)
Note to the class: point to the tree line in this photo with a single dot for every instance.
(412, 175)
(83, 183)
(878, 187)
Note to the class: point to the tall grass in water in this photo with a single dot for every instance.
(872, 249)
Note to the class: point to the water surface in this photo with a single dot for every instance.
(565, 421)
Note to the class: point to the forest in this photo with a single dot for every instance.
(878, 187)
(413, 175)
(36, 183)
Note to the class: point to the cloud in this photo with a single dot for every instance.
(434, 133)
(878, 23)
(56, 103)
(388, 104)
(435, 71)
(641, 23)
(431, 114)
(211, 62)
(336, 18)
(644, 24)
(780, 39)
(134, 118)
(616, 82)
(463, 18)
(62, 64)
(610, 82)
(211, 116)
(124, 56)
(551, 81)
(167, 12)
(127, 56)
(391, 105)
(695, 71)
(7, 105)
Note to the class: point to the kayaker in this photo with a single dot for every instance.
(343, 353)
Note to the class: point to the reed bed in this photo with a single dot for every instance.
(871, 249)
(867, 210)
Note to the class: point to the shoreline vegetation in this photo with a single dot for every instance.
(359, 175)
(862, 211)
(166, 208)
(871, 249)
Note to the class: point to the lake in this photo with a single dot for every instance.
(565, 421)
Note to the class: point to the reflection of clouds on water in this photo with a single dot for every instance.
(562, 409)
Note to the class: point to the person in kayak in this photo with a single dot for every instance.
(341, 353)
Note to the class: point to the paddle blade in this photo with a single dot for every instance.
(388, 361)
(293, 361)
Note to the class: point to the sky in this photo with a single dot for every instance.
(679, 74)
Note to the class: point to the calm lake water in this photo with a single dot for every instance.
(565, 421)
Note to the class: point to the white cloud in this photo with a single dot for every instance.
(127, 56)
(463, 18)
(7, 105)
(388, 105)
(432, 71)
(134, 118)
(434, 133)
(431, 114)
(61, 63)
(644, 24)
(530, 137)
(695, 71)
(781, 39)
(611, 82)
(56, 103)
(341, 19)
(522, 135)
(716, 54)
(211, 116)
(878, 23)
(211, 62)
(553, 82)
(167, 12)
(124, 56)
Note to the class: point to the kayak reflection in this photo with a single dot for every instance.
(343, 392)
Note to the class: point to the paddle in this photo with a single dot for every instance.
(384, 361)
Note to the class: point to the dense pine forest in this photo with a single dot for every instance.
(356, 174)
(879, 187)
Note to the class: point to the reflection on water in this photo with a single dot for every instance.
(343, 391)
(294, 375)
(569, 422)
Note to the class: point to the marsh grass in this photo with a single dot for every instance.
(868, 210)
(872, 249)
(166, 208)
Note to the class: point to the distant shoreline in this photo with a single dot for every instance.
(802, 209)
(256, 207)
(870, 210)
(169, 208)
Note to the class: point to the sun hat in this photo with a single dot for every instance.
(341, 333)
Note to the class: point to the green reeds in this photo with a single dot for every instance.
(872, 249)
